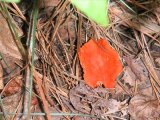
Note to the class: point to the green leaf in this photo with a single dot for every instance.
(96, 10)
(16, 1)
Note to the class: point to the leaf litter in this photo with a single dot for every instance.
(59, 85)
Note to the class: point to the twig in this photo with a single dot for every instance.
(41, 92)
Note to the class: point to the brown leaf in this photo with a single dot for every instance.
(10, 67)
(96, 101)
(10, 103)
(142, 107)
(115, 107)
(99, 106)
(87, 100)
(129, 76)
(8, 47)
(78, 95)
(138, 68)
(137, 72)
(13, 86)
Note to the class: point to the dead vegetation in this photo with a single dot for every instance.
(58, 86)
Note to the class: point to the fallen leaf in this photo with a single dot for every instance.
(88, 100)
(136, 73)
(13, 86)
(11, 67)
(114, 107)
(11, 103)
(144, 107)
(80, 96)
(100, 63)
(99, 106)
(129, 77)
(8, 46)
(138, 68)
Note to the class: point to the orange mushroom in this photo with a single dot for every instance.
(100, 63)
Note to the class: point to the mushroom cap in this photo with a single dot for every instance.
(100, 63)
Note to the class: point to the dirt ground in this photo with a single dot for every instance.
(51, 84)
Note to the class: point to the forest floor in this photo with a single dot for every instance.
(54, 86)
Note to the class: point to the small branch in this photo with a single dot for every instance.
(42, 95)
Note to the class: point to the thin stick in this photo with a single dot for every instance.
(30, 60)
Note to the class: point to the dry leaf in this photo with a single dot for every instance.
(137, 72)
(99, 106)
(87, 100)
(138, 68)
(8, 46)
(114, 107)
(129, 77)
(10, 104)
(10, 67)
(13, 86)
(142, 107)
(95, 101)
(78, 95)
